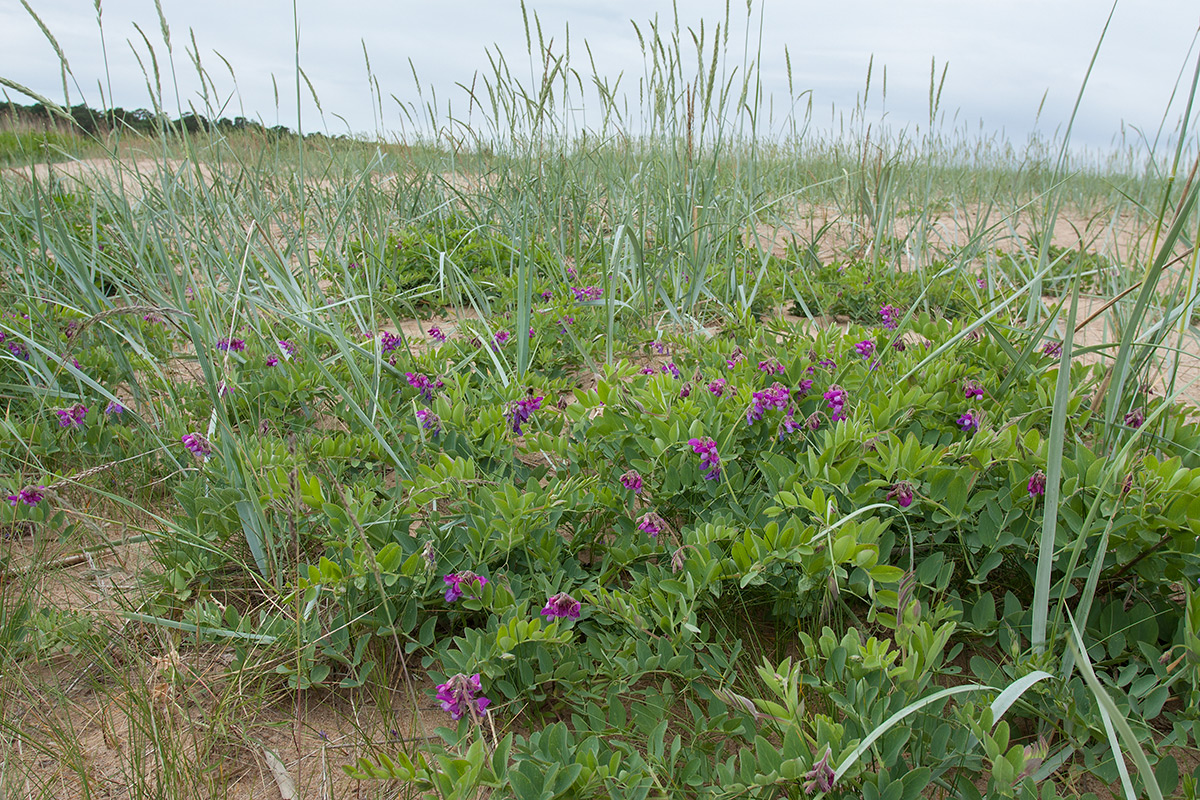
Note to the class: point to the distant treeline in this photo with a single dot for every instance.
(140, 120)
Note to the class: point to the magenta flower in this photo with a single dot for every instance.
(1037, 484)
(771, 366)
(455, 582)
(789, 424)
(272, 361)
(30, 496)
(436, 334)
(775, 397)
(651, 523)
(1052, 348)
(422, 384)
(519, 412)
(671, 369)
(236, 345)
(72, 417)
(561, 605)
(717, 387)
(197, 444)
(969, 422)
(462, 696)
(736, 358)
(659, 347)
(632, 481)
(972, 389)
(587, 293)
(114, 409)
(891, 317)
(902, 493)
(647, 370)
(899, 345)
(547, 295)
(1135, 418)
(710, 460)
(835, 397)
(865, 348)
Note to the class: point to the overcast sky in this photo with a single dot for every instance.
(1003, 56)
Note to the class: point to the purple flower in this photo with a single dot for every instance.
(671, 369)
(835, 397)
(501, 337)
(899, 345)
(429, 421)
(18, 350)
(114, 409)
(651, 523)
(272, 361)
(632, 481)
(547, 295)
(197, 444)
(803, 388)
(1135, 418)
(519, 411)
(436, 334)
(972, 389)
(1037, 484)
(462, 696)
(422, 384)
(455, 582)
(777, 396)
(563, 322)
(771, 366)
(820, 778)
(736, 358)
(236, 345)
(561, 605)
(789, 424)
(72, 417)
(717, 387)
(30, 496)
(287, 348)
(659, 347)
(685, 390)
(1052, 348)
(389, 341)
(981, 282)
(647, 370)
(891, 317)
(587, 293)
(710, 460)
(902, 493)
(968, 422)
(865, 348)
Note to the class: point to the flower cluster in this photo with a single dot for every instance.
(771, 366)
(632, 481)
(1037, 484)
(972, 389)
(422, 384)
(561, 605)
(717, 387)
(389, 341)
(736, 358)
(436, 334)
(670, 369)
(969, 422)
(865, 348)
(30, 496)
(500, 338)
(789, 424)
(710, 460)
(777, 396)
(236, 345)
(287, 348)
(820, 778)
(429, 421)
(891, 317)
(1135, 418)
(563, 322)
(197, 444)
(651, 523)
(835, 398)
(519, 412)
(462, 696)
(114, 409)
(72, 417)
(1052, 348)
(455, 582)
(587, 293)
(902, 493)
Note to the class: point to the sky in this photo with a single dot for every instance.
(1002, 58)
